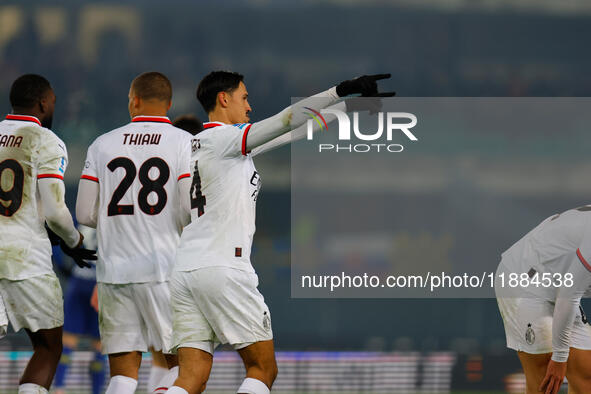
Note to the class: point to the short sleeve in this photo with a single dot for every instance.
(52, 159)
(184, 163)
(230, 140)
(90, 170)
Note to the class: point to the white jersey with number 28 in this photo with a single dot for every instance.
(138, 167)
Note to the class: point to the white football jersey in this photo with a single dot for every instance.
(138, 167)
(553, 245)
(27, 152)
(223, 201)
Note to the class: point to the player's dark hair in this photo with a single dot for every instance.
(189, 123)
(152, 85)
(215, 82)
(27, 90)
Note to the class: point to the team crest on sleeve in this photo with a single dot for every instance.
(530, 335)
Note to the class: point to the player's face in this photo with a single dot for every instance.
(238, 106)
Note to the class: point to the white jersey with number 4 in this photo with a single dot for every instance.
(27, 152)
(552, 246)
(138, 167)
(223, 201)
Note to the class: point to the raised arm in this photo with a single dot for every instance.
(297, 133)
(290, 118)
(296, 115)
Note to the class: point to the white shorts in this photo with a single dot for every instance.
(35, 303)
(134, 316)
(528, 325)
(218, 305)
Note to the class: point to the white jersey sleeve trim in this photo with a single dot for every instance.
(583, 261)
(244, 138)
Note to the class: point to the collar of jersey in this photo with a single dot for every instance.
(23, 118)
(209, 125)
(158, 119)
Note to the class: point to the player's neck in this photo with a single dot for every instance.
(219, 116)
(27, 112)
(150, 110)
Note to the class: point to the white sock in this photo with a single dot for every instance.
(31, 388)
(167, 381)
(253, 386)
(156, 375)
(120, 384)
(177, 390)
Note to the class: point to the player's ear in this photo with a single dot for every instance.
(169, 105)
(43, 104)
(223, 99)
(137, 102)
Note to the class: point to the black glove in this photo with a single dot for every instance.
(78, 254)
(371, 104)
(366, 85)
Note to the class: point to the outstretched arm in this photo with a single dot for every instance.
(290, 118)
(297, 133)
(296, 115)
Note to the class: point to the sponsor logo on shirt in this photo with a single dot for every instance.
(255, 180)
(62, 167)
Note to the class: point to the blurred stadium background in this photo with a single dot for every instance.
(90, 51)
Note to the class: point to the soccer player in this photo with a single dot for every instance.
(214, 286)
(135, 191)
(539, 285)
(32, 165)
(81, 319)
(189, 123)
